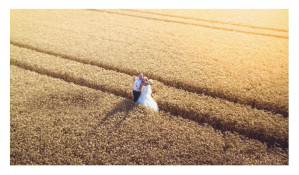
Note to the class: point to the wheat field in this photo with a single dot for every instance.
(221, 84)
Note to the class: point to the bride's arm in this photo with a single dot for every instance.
(141, 85)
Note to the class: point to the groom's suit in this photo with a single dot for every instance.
(136, 93)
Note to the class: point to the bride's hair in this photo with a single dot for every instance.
(146, 78)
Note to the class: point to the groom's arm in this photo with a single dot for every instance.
(134, 79)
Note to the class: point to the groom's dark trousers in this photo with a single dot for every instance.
(136, 95)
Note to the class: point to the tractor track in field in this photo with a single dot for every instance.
(211, 21)
(177, 85)
(89, 137)
(81, 82)
(119, 92)
(194, 24)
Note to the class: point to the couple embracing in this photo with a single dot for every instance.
(142, 92)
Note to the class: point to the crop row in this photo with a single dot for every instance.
(219, 113)
(57, 123)
(248, 70)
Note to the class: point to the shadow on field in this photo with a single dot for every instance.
(62, 100)
(125, 105)
(68, 100)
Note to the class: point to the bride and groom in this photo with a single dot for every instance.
(142, 92)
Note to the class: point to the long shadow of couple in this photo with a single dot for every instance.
(125, 105)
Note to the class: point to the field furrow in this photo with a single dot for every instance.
(277, 21)
(219, 113)
(205, 20)
(53, 122)
(245, 69)
(271, 33)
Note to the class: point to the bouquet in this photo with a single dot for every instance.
(150, 81)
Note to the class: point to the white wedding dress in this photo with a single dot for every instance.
(146, 99)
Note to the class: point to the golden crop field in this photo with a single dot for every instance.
(221, 84)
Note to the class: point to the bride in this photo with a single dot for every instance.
(145, 97)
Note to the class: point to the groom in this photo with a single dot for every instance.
(137, 82)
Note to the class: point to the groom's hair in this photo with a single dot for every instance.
(140, 73)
